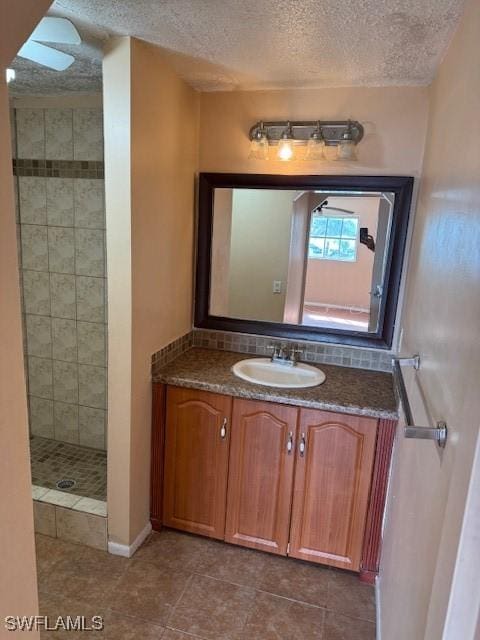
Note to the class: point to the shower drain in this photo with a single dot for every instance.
(66, 484)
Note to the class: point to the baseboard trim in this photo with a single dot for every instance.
(378, 617)
(125, 550)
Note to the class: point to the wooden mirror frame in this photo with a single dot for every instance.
(401, 186)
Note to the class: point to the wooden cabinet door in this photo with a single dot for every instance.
(260, 480)
(196, 461)
(331, 491)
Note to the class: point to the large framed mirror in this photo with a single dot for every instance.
(302, 257)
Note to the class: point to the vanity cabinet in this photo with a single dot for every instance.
(260, 478)
(197, 440)
(301, 482)
(332, 482)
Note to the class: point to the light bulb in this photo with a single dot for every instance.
(259, 148)
(346, 147)
(285, 150)
(316, 145)
(259, 144)
(285, 145)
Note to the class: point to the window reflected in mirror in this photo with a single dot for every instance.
(309, 257)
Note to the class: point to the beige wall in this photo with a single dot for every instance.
(345, 283)
(221, 241)
(259, 250)
(151, 119)
(117, 136)
(18, 586)
(164, 163)
(428, 491)
(394, 119)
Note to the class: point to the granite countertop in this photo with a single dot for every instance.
(345, 390)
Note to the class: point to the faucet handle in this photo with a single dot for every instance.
(274, 348)
(295, 352)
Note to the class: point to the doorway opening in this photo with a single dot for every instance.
(58, 170)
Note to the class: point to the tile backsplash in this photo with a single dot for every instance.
(58, 168)
(314, 352)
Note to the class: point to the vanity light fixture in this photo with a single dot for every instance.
(259, 144)
(316, 135)
(285, 146)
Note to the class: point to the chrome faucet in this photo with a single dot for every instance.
(282, 354)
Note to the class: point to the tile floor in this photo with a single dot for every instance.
(52, 460)
(182, 587)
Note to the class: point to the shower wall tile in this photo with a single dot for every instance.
(66, 422)
(82, 528)
(32, 200)
(90, 252)
(44, 518)
(41, 417)
(39, 336)
(92, 386)
(91, 427)
(64, 335)
(36, 292)
(62, 291)
(61, 250)
(40, 377)
(58, 134)
(91, 343)
(60, 212)
(65, 381)
(30, 133)
(90, 299)
(34, 247)
(87, 134)
(89, 204)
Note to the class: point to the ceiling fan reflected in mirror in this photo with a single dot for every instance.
(59, 30)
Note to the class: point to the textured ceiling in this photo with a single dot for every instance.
(260, 44)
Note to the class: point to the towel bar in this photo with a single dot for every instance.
(438, 433)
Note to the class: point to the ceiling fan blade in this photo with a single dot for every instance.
(56, 30)
(46, 56)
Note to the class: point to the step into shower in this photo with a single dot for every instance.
(69, 491)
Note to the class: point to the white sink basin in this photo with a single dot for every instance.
(271, 374)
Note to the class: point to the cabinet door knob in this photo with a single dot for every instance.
(290, 442)
(302, 446)
(223, 429)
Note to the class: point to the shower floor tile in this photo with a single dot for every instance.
(52, 461)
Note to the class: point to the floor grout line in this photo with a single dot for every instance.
(174, 608)
(276, 595)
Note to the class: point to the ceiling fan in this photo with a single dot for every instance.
(50, 29)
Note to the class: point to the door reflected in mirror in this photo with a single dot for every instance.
(309, 257)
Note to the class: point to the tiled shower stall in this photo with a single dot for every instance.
(58, 170)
